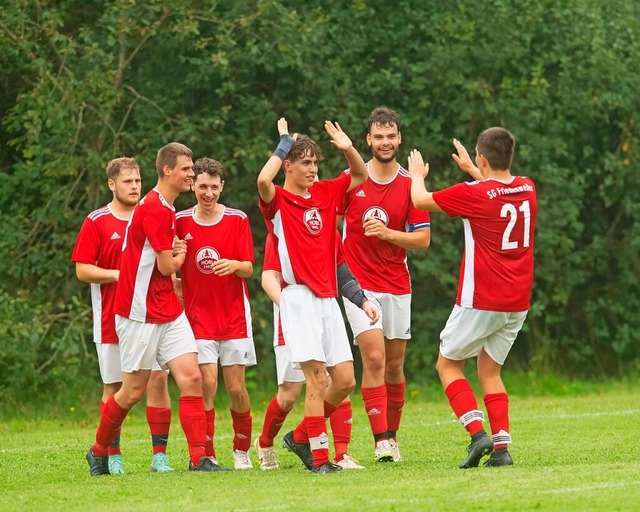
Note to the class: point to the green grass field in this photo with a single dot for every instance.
(579, 452)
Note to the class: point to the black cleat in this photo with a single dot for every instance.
(481, 445)
(326, 468)
(301, 450)
(98, 464)
(500, 457)
(206, 464)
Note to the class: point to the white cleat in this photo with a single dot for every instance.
(395, 451)
(383, 451)
(349, 463)
(241, 460)
(266, 456)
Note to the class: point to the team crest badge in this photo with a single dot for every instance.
(375, 212)
(205, 258)
(313, 220)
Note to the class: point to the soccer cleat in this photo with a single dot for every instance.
(481, 445)
(206, 464)
(266, 456)
(160, 464)
(241, 460)
(301, 450)
(349, 463)
(217, 466)
(383, 451)
(395, 451)
(326, 468)
(500, 457)
(98, 464)
(116, 465)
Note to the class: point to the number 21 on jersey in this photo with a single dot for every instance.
(509, 238)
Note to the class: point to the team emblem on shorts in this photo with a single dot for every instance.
(205, 258)
(313, 220)
(375, 212)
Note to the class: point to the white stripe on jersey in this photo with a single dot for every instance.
(247, 311)
(96, 303)
(96, 214)
(468, 280)
(286, 270)
(233, 211)
(141, 285)
(185, 213)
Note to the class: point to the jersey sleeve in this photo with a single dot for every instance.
(271, 260)
(269, 209)
(246, 242)
(156, 227)
(87, 247)
(418, 219)
(457, 200)
(344, 201)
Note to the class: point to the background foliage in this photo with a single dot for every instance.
(84, 82)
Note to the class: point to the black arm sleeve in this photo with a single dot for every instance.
(349, 286)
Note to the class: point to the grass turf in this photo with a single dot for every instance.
(571, 453)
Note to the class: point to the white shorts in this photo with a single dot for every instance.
(109, 362)
(395, 315)
(143, 344)
(285, 369)
(469, 330)
(313, 327)
(239, 351)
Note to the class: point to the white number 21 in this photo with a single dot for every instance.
(508, 210)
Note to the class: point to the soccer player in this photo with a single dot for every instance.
(380, 225)
(499, 217)
(150, 323)
(216, 300)
(97, 258)
(301, 215)
(290, 379)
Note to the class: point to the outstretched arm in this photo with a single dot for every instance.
(418, 170)
(341, 141)
(266, 188)
(96, 275)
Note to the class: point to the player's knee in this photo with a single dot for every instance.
(394, 367)
(374, 362)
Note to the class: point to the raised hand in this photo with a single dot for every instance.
(283, 126)
(339, 139)
(417, 167)
(464, 160)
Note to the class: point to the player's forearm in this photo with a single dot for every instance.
(271, 285)
(245, 269)
(266, 188)
(169, 264)
(422, 199)
(418, 240)
(96, 275)
(357, 167)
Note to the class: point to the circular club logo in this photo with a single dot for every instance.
(205, 258)
(313, 220)
(375, 212)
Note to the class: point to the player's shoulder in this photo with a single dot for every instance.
(234, 213)
(185, 214)
(99, 213)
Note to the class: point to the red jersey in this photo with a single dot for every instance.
(100, 243)
(305, 228)
(217, 306)
(143, 293)
(380, 266)
(499, 220)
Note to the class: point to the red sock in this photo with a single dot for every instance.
(375, 405)
(329, 409)
(497, 405)
(242, 424)
(273, 420)
(341, 422)
(300, 434)
(464, 405)
(114, 447)
(159, 420)
(318, 439)
(211, 428)
(194, 425)
(111, 420)
(395, 403)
